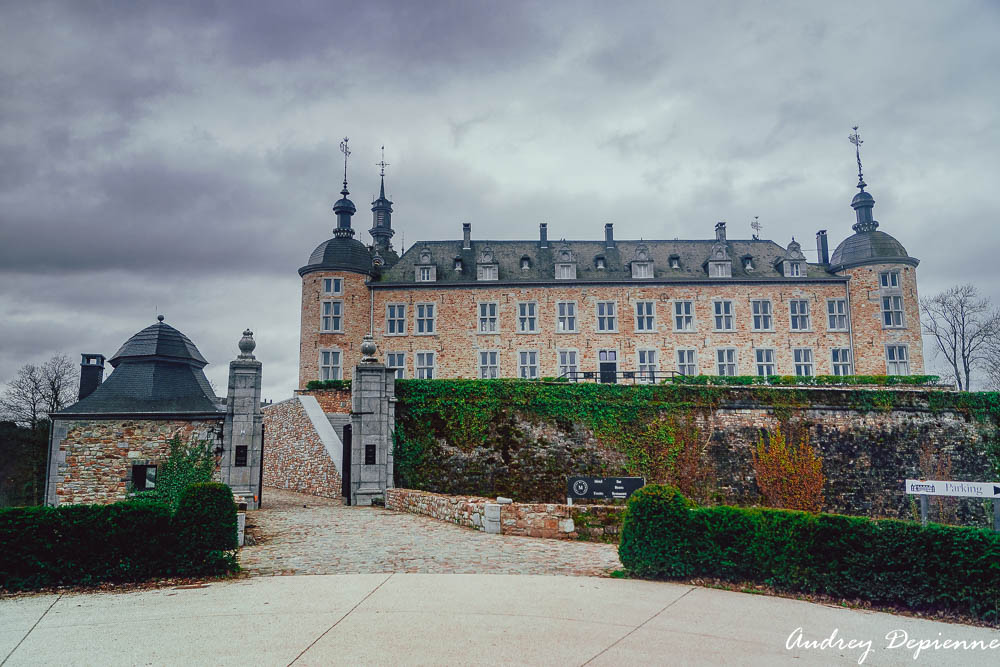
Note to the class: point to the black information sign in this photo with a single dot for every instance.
(608, 488)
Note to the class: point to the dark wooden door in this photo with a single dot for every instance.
(609, 370)
(346, 466)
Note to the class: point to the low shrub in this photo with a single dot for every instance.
(205, 525)
(789, 474)
(933, 567)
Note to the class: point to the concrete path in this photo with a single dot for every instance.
(422, 619)
(310, 535)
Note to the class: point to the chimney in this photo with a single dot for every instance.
(543, 235)
(822, 249)
(720, 232)
(466, 236)
(91, 374)
(609, 235)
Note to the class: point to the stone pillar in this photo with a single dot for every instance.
(373, 419)
(243, 435)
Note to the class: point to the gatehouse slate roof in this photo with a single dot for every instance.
(869, 247)
(157, 372)
(693, 256)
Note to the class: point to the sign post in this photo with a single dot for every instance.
(602, 488)
(932, 487)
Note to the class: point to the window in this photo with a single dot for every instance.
(489, 364)
(606, 316)
(567, 362)
(748, 264)
(726, 360)
(683, 316)
(803, 357)
(330, 367)
(333, 286)
(765, 362)
(566, 315)
(425, 274)
(721, 269)
(642, 269)
(488, 317)
(425, 365)
(841, 357)
(687, 362)
(836, 314)
(488, 272)
(395, 319)
(240, 456)
(675, 262)
(892, 311)
(723, 315)
(645, 317)
(565, 271)
(527, 364)
(896, 360)
(527, 322)
(794, 269)
(762, 316)
(425, 318)
(648, 365)
(332, 319)
(889, 279)
(143, 478)
(525, 263)
(397, 360)
(799, 311)
(369, 455)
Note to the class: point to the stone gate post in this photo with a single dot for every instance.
(373, 418)
(243, 430)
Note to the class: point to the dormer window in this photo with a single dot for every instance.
(719, 264)
(794, 269)
(599, 263)
(486, 267)
(525, 263)
(720, 269)
(488, 272)
(565, 271)
(747, 263)
(458, 265)
(642, 269)
(426, 274)
(675, 262)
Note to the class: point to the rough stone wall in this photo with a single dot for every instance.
(92, 463)
(294, 455)
(333, 401)
(870, 334)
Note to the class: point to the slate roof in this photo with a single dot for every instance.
(693, 256)
(868, 247)
(342, 253)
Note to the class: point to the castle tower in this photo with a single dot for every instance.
(381, 230)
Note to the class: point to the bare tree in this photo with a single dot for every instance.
(37, 391)
(965, 328)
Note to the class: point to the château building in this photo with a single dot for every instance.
(543, 308)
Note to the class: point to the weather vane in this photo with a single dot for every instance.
(383, 164)
(755, 226)
(856, 140)
(347, 152)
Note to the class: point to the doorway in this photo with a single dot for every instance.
(608, 366)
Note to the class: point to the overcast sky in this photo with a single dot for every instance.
(181, 158)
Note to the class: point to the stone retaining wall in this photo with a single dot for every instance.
(333, 401)
(295, 456)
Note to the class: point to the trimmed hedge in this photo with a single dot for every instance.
(127, 541)
(936, 567)
(313, 385)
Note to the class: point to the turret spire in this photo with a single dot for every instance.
(863, 202)
(344, 208)
(381, 230)
(857, 141)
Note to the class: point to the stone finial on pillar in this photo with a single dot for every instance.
(368, 349)
(247, 345)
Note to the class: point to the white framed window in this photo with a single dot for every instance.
(762, 317)
(606, 316)
(683, 315)
(527, 364)
(488, 317)
(332, 320)
(897, 360)
(798, 310)
(841, 360)
(836, 314)
(333, 286)
(489, 364)
(648, 364)
(687, 362)
(721, 269)
(395, 319)
(794, 269)
(723, 315)
(803, 358)
(645, 316)
(725, 361)
(425, 274)
(565, 271)
(566, 317)
(765, 361)
(527, 319)
(892, 311)
(397, 360)
(888, 279)
(567, 362)
(642, 269)
(331, 366)
(426, 313)
(426, 365)
(488, 272)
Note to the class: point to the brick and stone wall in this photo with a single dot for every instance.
(93, 458)
(295, 454)
(870, 333)
(333, 401)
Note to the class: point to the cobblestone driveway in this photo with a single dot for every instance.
(309, 535)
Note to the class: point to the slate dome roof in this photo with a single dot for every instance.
(869, 247)
(160, 340)
(339, 253)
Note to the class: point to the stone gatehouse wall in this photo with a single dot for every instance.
(299, 453)
(93, 458)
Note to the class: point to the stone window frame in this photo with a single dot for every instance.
(716, 315)
(893, 317)
(723, 269)
(769, 315)
(831, 315)
(487, 371)
(402, 318)
(575, 317)
(532, 316)
(335, 318)
(691, 362)
(568, 267)
(838, 364)
(521, 365)
(338, 369)
(481, 319)
(559, 360)
(759, 363)
(794, 270)
(400, 370)
(887, 278)
(640, 268)
(651, 316)
(419, 368)
(796, 317)
(694, 319)
(900, 363)
(613, 316)
(432, 330)
(431, 275)
(734, 362)
(487, 272)
(652, 368)
(803, 359)
(336, 286)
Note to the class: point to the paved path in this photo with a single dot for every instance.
(310, 535)
(440, 619)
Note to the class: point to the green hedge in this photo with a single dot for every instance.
(935, 567)
(127, 541)
(807, 381)
(313, 385)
